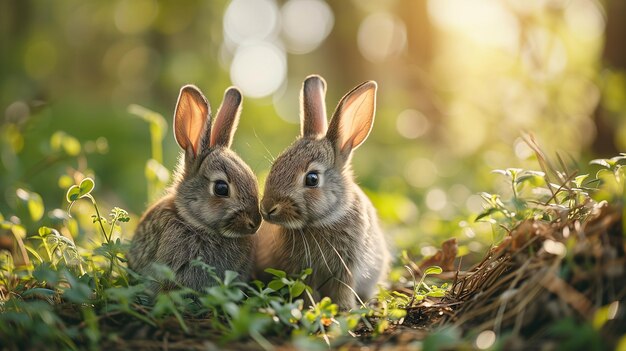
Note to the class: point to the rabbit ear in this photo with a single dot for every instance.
(353, 118)
(313, 107)
(227, 118)
(191, 120)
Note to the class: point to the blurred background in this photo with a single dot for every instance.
(459, 82)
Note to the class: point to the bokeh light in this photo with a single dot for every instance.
(250, 20)
(485, 339)
(436, 199)
(258, 68)
(305, 24)
(412, 124)
(381, 36)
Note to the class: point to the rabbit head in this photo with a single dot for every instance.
(214, 187)
(311, 183)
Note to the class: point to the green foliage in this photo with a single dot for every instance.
(95, 283)
(535, 195)
(156, 174)
(92, 281)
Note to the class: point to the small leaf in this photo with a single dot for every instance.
(86, 186)
(232, 309)
(486, 213)
(396, 313)
(35, 207)
(275, 285)
(44, 231)
(580, 179)
(513, 172)
(601, 162)
(229, 276)
(276, 272)
(433, 270)
(38, 291)
(73, 193)
(297, 288)
(436, 293)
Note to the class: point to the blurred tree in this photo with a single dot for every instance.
(614, 57)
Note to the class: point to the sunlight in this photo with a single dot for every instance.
(483, 21)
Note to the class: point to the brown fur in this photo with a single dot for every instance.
(332, 228)
(190, 221)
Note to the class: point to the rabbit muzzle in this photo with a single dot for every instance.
(284, 212)
(245, 222)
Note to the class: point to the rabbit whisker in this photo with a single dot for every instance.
(323, 256)
(272, 158)
(339, 255)
(353, 292)
(307, 250)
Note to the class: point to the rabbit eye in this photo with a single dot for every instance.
(221, 188)
(312, 179)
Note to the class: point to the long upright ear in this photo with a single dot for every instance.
(191, 120)
(227, 118)
(313, 107)
(353, 119)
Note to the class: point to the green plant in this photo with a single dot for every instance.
(156, 174)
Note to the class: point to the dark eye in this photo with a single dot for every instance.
(220, 188)
(312, 179)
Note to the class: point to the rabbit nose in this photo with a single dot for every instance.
(274, 211)
(254, 219)
(251, 226)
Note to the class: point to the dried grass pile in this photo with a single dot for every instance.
(529, 282)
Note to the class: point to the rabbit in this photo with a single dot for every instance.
(315, 215)
(211, 210)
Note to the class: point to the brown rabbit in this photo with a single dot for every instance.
(316, 214)
(212, 209)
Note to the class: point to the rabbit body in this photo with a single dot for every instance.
(329, 225)
(211, 210)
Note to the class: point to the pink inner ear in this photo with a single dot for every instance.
(357, 118)
(191, 113)
(196, 125)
